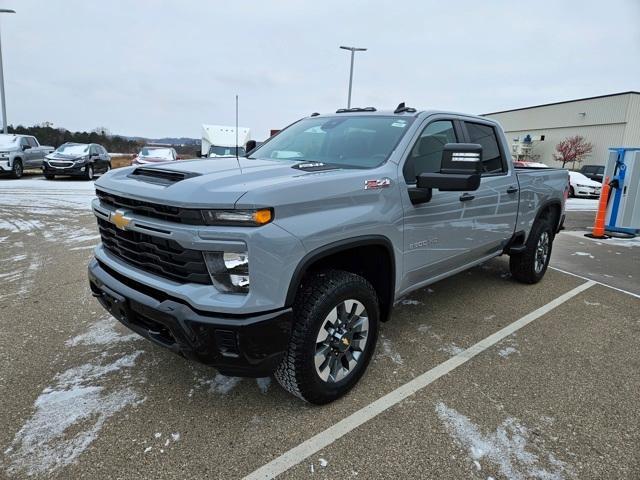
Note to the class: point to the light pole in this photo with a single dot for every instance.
(4, 104)
(352, 50)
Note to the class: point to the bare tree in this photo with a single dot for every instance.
(572, 149)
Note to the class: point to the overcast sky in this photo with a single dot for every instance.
(162, 68)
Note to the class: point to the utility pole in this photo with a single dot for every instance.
(4, 103)
(352, 50)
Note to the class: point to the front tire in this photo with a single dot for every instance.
(17, 170)
(49, 176)
(531, 265)
(333, 338)
(88, 173)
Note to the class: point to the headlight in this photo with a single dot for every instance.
(251, 218)
(229, 271)
(80, 159)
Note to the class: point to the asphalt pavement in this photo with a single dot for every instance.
(81, 397)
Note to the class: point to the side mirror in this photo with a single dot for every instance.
(250, 146)
(460, 169)
(25, 147)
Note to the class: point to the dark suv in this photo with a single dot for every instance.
(78, 160)
(594, 172)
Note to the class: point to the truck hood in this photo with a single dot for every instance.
(203, 183)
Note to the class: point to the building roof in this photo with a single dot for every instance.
(565, 101)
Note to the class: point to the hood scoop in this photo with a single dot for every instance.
(160, 176)
(314, 167)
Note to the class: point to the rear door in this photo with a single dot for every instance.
(36, 154)
(491, 210)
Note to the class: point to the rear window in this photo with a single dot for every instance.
(485, 135)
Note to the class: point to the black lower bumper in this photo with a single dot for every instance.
(74, 171)
(239, 345)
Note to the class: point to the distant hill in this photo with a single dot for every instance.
(182, 141)
(47, 135)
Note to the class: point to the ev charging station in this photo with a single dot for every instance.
(623, 209)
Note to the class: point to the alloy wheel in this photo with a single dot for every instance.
(341, 341)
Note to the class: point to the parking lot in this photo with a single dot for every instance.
(476, 376)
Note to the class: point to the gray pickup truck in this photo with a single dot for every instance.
(286, 261)
(18, 152)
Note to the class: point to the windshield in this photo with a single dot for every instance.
(349, 141)
(8, 140)
(164, 153)
(226, 151)
(73, 149)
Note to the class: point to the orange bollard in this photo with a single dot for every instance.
(598, 226)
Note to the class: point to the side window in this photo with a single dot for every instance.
(426, 154)
(93, 150)
(485, 135)
(32, 141)
(24, 142)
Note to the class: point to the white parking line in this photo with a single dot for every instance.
(316, 443)
(595, 281)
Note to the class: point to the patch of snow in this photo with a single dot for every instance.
(411, 302)
(323, 462)
(593, 304)
(452, 349)
(490, 317)
(506, 351)
(222, 384)
(424, 328)
(582, 254)
(75, 403)
(148, 449)
(102, 332)
(175, 437)
(581, 205)
(389, 352)
(508, 447)
(263, 384)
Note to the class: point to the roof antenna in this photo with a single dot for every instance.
(402, 108)
(237, 159)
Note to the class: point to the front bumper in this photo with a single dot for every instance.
(240, 345)
(74, 170)
(5, 165)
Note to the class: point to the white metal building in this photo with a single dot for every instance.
(605, 121)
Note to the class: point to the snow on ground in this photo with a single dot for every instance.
(40, 194)
(582, 204)
(389, 351)
(103, 332)
(70, 413)
(612, 241)
(509, 448)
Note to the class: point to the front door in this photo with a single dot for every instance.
(436, 235)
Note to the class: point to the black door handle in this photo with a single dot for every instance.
(466, 196)
(512, 189)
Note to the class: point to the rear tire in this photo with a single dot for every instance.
(17, 169)
(333, 338)
(531, 265)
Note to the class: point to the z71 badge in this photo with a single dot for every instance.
(377, 183)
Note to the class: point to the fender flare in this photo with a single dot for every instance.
(336, 247)
(545, 206)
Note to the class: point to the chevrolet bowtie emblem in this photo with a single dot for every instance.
(345, 341)
(119, 219)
